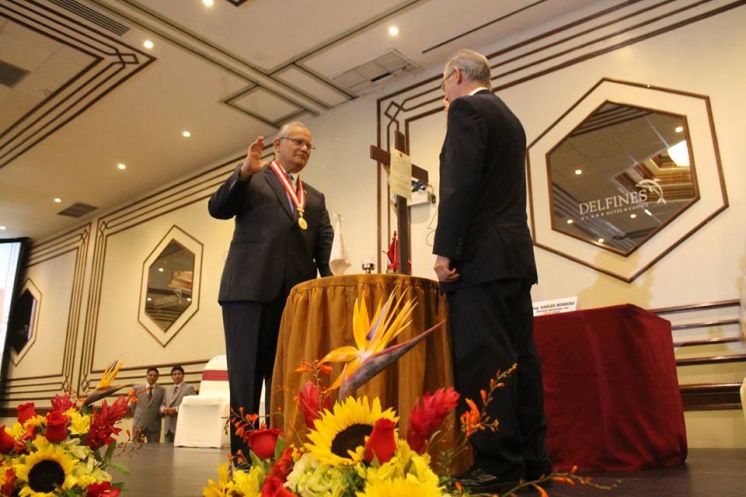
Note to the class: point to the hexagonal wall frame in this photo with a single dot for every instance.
(713, 197)
(195, 246)
(30, 287)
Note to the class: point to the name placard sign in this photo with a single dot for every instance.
(566, 304)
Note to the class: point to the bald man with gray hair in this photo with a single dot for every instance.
(282, 237)
(485, 265)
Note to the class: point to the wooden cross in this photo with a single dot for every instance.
(403, 225)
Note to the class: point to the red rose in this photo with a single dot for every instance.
(273, 487)
(25, 412)
(381, 443)
(56, 426)
(262, 442)
(103, 489)
(6, 441)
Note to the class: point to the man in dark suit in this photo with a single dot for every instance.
(172, 399)
(485, 263)
(282, 237)
(147, 417)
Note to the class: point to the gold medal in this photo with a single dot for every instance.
(302, 223)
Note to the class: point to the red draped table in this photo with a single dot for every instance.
(611, 393)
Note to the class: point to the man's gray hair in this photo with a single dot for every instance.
(285, 129)
(474, 66)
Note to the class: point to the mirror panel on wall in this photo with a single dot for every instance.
(621, 175)
(169, 285)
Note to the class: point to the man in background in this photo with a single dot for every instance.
(485, 265)
(146, 424)
(282, 237)
(172, 399)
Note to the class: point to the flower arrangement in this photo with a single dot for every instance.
(354, 447)
(67, 452)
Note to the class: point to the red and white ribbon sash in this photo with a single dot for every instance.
(297, 196)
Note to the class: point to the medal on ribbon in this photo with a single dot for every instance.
(297, 195)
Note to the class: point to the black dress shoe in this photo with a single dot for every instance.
(478, 481)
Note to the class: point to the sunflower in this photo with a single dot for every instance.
(398, 487)
(45, 469)
(337, 434)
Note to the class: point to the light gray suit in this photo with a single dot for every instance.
(172, 398)
(147, 417)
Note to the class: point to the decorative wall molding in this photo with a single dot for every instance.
(556, 49)
(110, 62)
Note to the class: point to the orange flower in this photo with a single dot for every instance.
(542, 492)
(470, 420)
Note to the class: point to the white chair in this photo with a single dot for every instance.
(202, 418)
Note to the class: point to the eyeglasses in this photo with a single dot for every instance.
(299, 142)
(443, 83)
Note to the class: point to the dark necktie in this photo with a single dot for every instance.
(150, 393)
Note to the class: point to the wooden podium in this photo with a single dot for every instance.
(318, 318)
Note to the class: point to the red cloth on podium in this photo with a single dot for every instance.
(611, 392)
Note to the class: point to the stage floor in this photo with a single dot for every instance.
(164, 471)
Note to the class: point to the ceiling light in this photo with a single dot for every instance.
(633, 216)
(679, 154)
(148, 44)
(679, 129)
(186, 133)
(57, 200)
(393, 31)
(121, 166)
(648, 212)
(2, 228)
(208, 3)
(160, 269)
(601, 240)
(569, 221)
(578, 172)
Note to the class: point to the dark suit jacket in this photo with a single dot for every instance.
(482, 212)
(269, 252)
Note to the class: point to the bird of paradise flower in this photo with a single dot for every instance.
(105, 386)
(370, 354)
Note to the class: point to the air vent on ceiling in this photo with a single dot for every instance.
(78, 209)
(367, 77)
(11, 75)
(93, 16)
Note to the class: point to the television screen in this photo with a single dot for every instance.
(12, 254)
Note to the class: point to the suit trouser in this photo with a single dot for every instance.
(251, 330)
(491, 329)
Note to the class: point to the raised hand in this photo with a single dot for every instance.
(253, 162)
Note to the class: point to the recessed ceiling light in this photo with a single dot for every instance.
(160, 270)
(569, 221)
(2, 228)
(186, 133)
(148, 44)
(648, 212)
(601, 240)
(393, 31)
(208, 3)
(57, 200)
(121, 166)
(679, 129)
(633, 216)
(578, 172)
